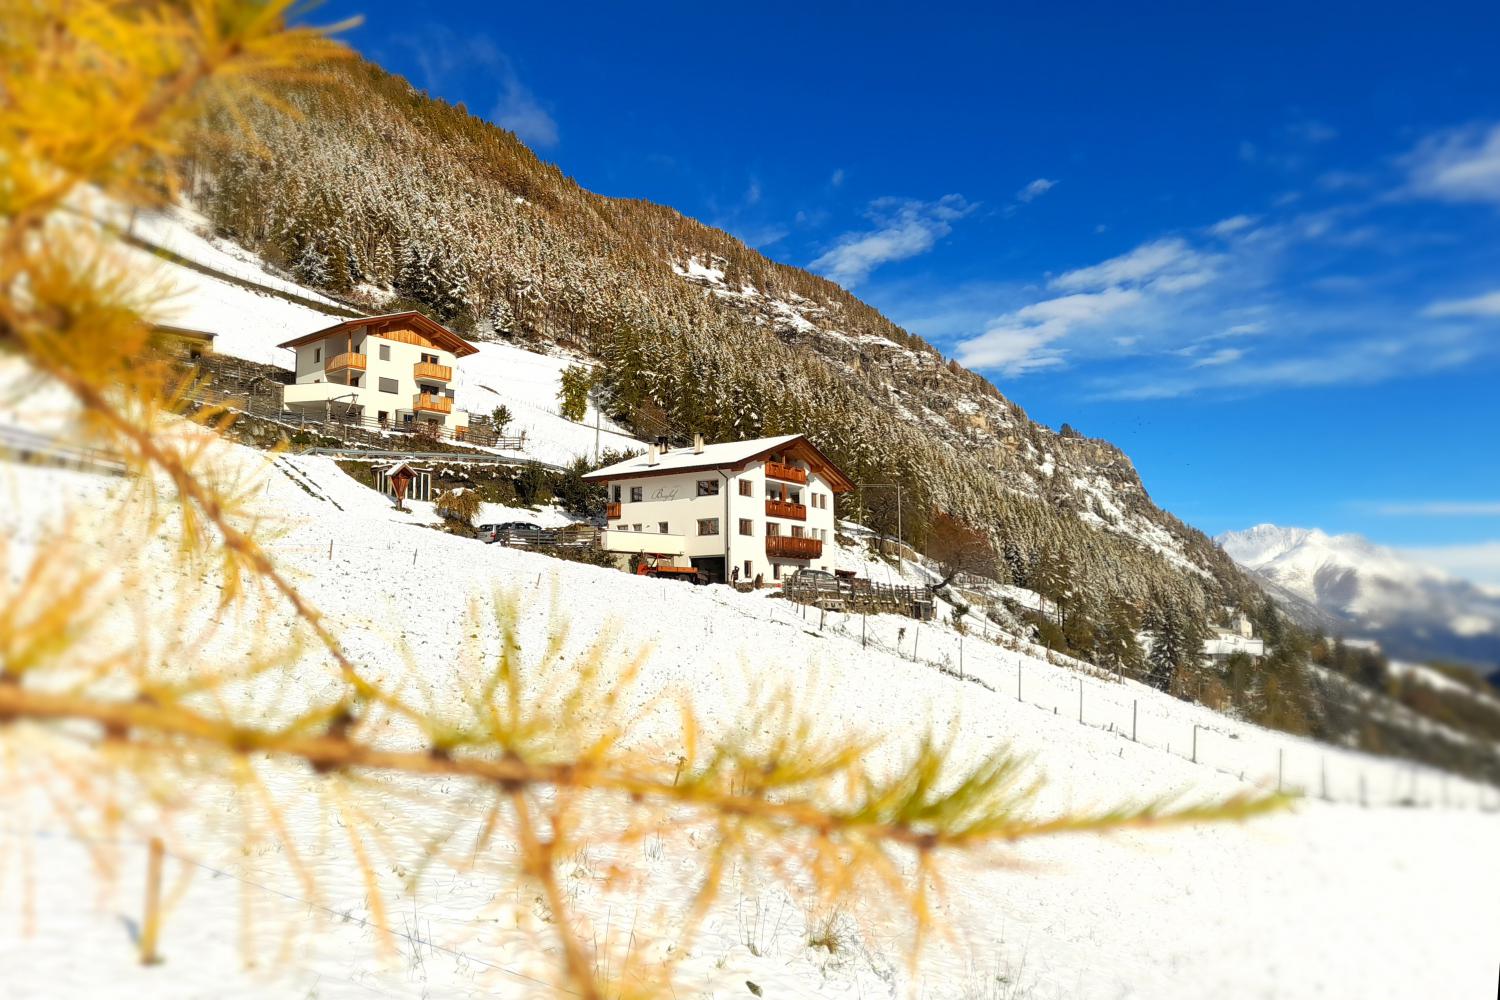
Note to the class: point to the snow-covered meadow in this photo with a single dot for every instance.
(1380, 882)
(1329, 899)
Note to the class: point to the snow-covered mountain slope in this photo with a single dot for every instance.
(1295, 905)
(222, 289)
(375, 184)
(1374, 592)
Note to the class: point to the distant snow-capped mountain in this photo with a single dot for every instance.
(1370, 591)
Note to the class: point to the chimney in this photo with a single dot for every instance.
(651, 455)
(697, 444)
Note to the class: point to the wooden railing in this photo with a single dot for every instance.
(436, 372)
(346, 360)
(787, 509)
(777, 470)
(792, 547)
(436, 404)
(612, 512)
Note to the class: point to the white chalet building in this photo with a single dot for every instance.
(395, 370)
(762, 507)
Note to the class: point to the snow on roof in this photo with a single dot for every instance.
(681, 459)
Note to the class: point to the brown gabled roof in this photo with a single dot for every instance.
(431, 328)
(729, 454)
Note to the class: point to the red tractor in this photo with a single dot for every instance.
(652, 566)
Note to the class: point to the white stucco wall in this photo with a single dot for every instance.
(312, 359)
(674, 499)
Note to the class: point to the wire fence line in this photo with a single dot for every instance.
(1101, 704)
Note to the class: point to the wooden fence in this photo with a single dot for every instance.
(859, 596)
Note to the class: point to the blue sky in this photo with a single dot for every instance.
(1257, 246)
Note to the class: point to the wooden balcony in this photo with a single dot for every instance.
(776, 470)
(339, 362)
(432, 404)
(786, 509)
(790, 547)
(435, 372)
(612, 512)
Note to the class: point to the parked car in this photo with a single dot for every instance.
(489, 533)
(820, 577)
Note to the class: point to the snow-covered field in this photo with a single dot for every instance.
(1394, 897)
(1327, 900)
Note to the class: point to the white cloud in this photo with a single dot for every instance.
(441, 55)
(1036, 189)
(1238, 330)
(1168, 265)
(1223, 356)
(837, 180)
(1479, 306)
(519, 111)
(904, 228)
(1457, 165)
(1232, 225)
(1476, 561)
(1020, 341)
(1440, 508)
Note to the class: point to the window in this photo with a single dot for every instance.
(614, 493)
(776, 571)
(708, 487)
(747, 569)
(772, 528)
(661, 526)
(745, 526)
(317, 355)
(747, 488)
(796, 531)
(430, 359)
(388, 385)
(384, 417)
(385, 352)
(637, 493)
(708, 526)
(635, 527)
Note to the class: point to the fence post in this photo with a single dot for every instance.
(1280, 757)
(1195, 743)
(151, 919)
(330, 550)
(1018, 678)
(1134, 704)
(1080, 701)
(1363, 801)
(1323, 778)
(863, 641)
(960, 656)
(915, 635)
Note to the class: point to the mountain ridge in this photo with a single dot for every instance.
(376, 191)
(1373, 591)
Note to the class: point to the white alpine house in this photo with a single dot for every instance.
(397, 369)
(737, 510)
